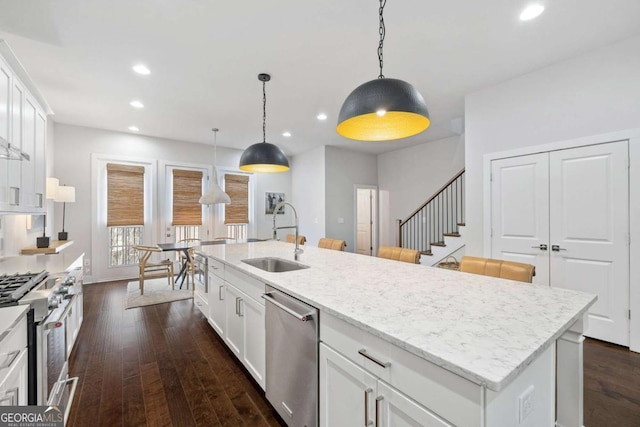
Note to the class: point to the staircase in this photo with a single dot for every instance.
(436, 228)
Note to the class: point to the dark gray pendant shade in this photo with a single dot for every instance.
(381, 110)
(264, 157)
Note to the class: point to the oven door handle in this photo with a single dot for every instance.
(65, 313)
(57, 395)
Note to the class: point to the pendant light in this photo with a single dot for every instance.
(214, 193)
(264, 157)
(383, 109)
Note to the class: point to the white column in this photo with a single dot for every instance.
(569, 376)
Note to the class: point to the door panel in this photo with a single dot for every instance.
(344, 388)
(520, 211)
(364, 222)
(233, 321)
(254, 337)
(589, 223)
(397, 410)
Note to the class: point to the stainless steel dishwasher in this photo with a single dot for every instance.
(292, 358)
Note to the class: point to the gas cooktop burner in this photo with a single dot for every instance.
(13, 287)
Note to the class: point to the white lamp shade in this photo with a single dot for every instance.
(52, 187)
(65, 193)
(214, 193)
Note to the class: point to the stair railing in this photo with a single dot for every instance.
(437, 217)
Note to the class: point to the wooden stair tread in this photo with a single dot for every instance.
(461, 224)
(442, 244)
(452, 234)
(427, 253)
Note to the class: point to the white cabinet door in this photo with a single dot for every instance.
(347, 392)
(217, 308)
(589, 196)
(40, 161)
(253, 318)
(27, 187)
(17, 101)
(394, 409)
(520, 212)
(5, 123)
(13, 389)
(234, 325)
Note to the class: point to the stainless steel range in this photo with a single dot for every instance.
(55, 300)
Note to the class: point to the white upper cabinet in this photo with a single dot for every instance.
(23, 127)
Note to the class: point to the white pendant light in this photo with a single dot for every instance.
(214, 193)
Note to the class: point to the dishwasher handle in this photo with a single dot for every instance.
(301, 317)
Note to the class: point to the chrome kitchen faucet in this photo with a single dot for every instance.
(297, 251)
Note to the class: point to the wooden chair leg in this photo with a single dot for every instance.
(172, 279)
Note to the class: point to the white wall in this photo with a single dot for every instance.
(344, 169)
(595, 93)
(72, 159)
(409, 176)
(308, 193)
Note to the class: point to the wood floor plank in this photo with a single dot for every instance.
(133, 413)
(155, 401)
(112, 388)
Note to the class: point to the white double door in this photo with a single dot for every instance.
(567, 213)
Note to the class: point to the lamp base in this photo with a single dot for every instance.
(63, 235)
(42, 242)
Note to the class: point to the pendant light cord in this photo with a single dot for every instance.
(215, 146)
(381, 31)
(264, 112)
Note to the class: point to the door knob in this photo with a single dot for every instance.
(542, 247)
(557, 248)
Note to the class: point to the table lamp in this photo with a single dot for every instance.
(52, 186)
(65, 194)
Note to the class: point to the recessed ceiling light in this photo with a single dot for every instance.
(532, 11)
(286, 134)
(321, 116)
(141, 69)
(136, 104)
(134, 128)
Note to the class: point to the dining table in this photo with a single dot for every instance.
(190, 244)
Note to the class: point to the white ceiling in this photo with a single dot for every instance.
(205, 56)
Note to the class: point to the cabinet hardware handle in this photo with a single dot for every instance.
(240, 304)
(363, 352)
(378, 399)
(367, 422)
(220, 293)
(557, 248)
(542, 247)
(10, 358)
(237, 306)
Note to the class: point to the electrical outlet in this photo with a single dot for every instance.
(525, 404)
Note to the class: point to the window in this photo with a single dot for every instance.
(125, 212)
(236, 213)
(187, 189)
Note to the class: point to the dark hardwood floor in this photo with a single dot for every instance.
(160, 365)
(164, 366)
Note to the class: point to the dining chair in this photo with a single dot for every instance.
(187, 258)
(498, 268)
(399, 254)
(291, 238)
(153, 270)
(336, 245)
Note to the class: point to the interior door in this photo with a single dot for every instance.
(520, 212)
(364, 226)
(589, 225)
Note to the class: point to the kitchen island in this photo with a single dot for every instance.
(492, 351)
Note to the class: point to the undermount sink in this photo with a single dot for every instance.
(274, 265)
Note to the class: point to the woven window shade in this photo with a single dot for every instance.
(125, 195)
(187, 189)
(237, 187)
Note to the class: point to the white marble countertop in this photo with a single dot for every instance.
(484, 329)
(9, 316)
(53, 263)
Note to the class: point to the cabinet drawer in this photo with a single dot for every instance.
(247, 284)
(201, 303)
(448, 395)
(216, 267)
